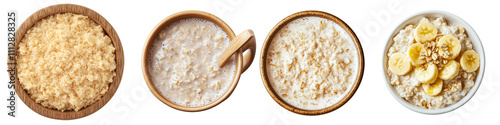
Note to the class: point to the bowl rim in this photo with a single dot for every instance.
(277, 28)
(478, 47)
(119, 58)
(151, 39)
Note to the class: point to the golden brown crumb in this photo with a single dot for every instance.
(66, 62)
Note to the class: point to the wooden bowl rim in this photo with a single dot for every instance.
(268, 41)
(151, 38)
(109, 30)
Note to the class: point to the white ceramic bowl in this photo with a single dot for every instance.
(450, 19)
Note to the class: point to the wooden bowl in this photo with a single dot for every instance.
(243, 60)
(267, 43)
(64, 8)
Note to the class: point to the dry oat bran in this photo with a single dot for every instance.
(311, 63)
(66, 62)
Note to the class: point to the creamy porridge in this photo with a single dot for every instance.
(183, 62)
(66, 62)
(311, 63)
(432, 65)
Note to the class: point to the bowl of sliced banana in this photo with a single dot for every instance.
(433, 62)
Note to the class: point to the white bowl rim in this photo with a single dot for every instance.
(478, 47)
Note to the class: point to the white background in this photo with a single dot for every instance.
(372, 21)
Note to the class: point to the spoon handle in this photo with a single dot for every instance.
(240, 40)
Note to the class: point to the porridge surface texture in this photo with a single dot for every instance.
(184, 62)
(311, 63)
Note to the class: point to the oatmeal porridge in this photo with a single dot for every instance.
(184, 62)
(66, 62)
(432, 65)
(311, 63)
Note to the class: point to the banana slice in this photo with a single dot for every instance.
(414, 54)
(434, 88)
(399, 64)
(452, 44)
(469, 61)
(427, 74)
(450, 70)
(425, 32)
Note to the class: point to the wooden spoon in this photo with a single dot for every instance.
(235, 45)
